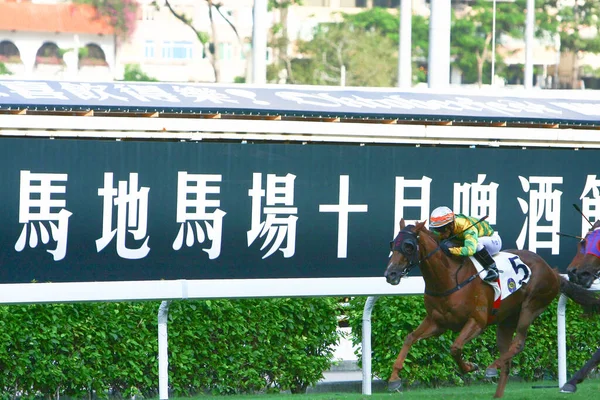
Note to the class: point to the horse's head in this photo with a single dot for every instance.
(405, 252)
(584, 269)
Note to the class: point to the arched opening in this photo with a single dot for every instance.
(92, 55)
(50, 54)
(9, 53)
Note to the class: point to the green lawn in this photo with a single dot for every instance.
(590, 389)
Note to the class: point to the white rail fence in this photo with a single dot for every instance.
(253, 288)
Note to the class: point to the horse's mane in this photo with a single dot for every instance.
(420, 228)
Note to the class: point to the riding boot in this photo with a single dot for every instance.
(487, 262)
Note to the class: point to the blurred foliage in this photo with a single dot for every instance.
(280, 69)
(121, 14)
(88, 350)
(471, 41)
(368, 57)
(274, 4)
(471, 38)
(4, 70)
(590, 71)
(582, 14)
(133, 72)
(365, 43)
(387, 24)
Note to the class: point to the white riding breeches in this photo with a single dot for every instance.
(493, 243)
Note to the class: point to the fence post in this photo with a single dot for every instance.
(366, 344)
(562, 341)
(163, 354)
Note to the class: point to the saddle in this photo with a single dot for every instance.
(514, 273)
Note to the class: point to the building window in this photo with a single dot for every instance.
(9, 53)
(149, 49)
(177, 50)
(225, 51)
(92, 55)
(246, 51)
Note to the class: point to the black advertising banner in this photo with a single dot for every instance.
(99, 210)
(293, 101)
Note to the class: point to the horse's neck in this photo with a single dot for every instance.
(440, 272)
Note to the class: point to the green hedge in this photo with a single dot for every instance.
(429, 361)
(217, 346)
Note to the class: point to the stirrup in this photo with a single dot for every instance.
(492, 275)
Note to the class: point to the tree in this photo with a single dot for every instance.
(210, 41)
(471, 36)
(472, 32)
(367, 56)
(388, 25)
(279, 41)
(579, 29)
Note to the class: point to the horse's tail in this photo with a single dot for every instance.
(588, 300)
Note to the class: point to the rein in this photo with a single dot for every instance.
(459, 286)
(454, 289)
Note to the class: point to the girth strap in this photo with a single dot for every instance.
(455, 289)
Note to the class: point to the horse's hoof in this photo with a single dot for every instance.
(491, 372)
(394, 385)
(568, 388)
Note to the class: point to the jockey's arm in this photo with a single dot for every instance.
(469, 246)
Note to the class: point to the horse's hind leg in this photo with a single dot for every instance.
(504, 335)
(426, 329)
(571, 385)
(526, 317)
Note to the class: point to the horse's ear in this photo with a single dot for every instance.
(402, 224)
(420, 225)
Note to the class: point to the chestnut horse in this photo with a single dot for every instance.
(583, 270)
(457, 300)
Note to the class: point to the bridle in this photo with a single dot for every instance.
(587, 246)
(407, 244)
(592, 247)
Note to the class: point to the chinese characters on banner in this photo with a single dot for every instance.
(272, 225)
(150, 97)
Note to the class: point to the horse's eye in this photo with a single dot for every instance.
(582, 245)
(408, 248)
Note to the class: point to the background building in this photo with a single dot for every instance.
(56, 39)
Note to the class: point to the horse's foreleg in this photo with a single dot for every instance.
(426, 329)
(571, 385)
(471, 330)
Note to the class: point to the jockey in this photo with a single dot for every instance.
(478, 238)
